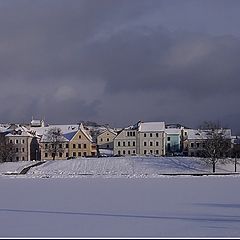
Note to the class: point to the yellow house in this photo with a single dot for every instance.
(76, 142)
(81, 144)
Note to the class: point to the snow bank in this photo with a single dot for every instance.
(14, 167)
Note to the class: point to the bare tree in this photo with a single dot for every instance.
(6, 149)
(55, 139)
(216, 143)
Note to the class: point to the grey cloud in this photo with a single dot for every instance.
(120, 61)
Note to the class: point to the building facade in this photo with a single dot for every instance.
(151, 137)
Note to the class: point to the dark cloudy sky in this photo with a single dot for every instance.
(120, 61)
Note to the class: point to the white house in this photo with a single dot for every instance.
(151, 137)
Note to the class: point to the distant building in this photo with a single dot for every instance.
(22, 142)
(37, 123)
(125, 143)
(76, 143)
(194, 141)
(151, 138)
(105, 139)
(141, 139)
(173, 140)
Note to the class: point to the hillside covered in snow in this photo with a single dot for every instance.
(121, 167)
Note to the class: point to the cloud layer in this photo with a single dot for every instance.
(118, 62)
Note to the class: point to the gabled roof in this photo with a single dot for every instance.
(152, 127)
(88, 136)
(107, 130)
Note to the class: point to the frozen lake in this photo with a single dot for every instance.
(120, 207)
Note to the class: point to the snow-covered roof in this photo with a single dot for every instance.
(194, 134)
(107, 130)
(64, 128)
(68, 131)
(3, 129)
(20, 132)
(152, 127)
(175, 131)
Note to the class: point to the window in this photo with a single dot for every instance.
(151, 144)
(23, 149)
(101, 140)
(156, 134)
(134, 152)
(52, 145)
(23, 158)
(16, 149)
(129, 152)
(23, 141)
(133, 143)
(85, 154)
(119, 144)
(60, 155)
(124, 144)
(79, 154)
(16, 141)
(133, 134)
(198, 145)
(107, 139)
(128, 134)
(129, 144)
(107, 145)
(46, 155)
(46, 146)
(192, 145)
(145, 135)
(84, 145)
(168, 138)
(10, 141)
(74, 154)
(60, 145)
(74, 145)
(145, 152)
(150, 134)
(79, 136)
(79, 145)
(119, 152)
(157, 144)
(144, 144)
(67, 155)
(157, 152)
(151, 151)
(124, 152)
(66, 145)
(17, 158)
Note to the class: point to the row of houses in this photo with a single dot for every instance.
(30, 141)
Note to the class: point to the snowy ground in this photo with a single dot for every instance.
(125, 166)
(120, 207)
(14, 167)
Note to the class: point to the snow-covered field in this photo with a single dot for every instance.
(120, 207)
(119, 197)
(14, 167)
(125, 166)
